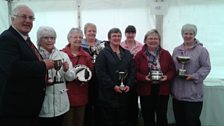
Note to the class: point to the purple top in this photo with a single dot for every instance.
(199, 67)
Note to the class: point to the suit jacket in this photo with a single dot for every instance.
(22, 77)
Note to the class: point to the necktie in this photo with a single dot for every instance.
(32, 46)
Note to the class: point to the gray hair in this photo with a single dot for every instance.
(150, 32)
(89, 25)
(189, 27)
(17, 10)
(74, 30)
(43, 31)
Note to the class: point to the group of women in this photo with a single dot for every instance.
(66, 103)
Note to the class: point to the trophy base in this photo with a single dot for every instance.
(57, 81)
(182, 76)
(155, 81)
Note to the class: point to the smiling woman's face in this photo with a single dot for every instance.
(76, 39)
(188, 37)
(152, 41)
(47, 42)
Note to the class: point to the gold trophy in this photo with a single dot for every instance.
(183, 60)
(122, 76)
(57, 66)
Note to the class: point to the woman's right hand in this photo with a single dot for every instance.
(49, 64)
(117, 89)
(147, 77)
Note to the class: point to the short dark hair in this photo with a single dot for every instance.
(113, 30)
(130, 29)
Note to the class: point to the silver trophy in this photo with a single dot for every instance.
(96, 49)
(155, 76)
(57, 66)
(183, 60)
(122, 76)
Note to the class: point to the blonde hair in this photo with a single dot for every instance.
(89, 25)
(150, 32)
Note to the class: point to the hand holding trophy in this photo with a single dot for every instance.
(83, 73)
(122, 75)
(155, 76)
(183, 60)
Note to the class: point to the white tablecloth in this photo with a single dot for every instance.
(213, 104)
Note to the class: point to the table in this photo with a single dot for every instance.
(213, 106)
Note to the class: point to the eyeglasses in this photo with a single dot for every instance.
(24, 17)
(47, 38)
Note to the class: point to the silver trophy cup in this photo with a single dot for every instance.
(183, 60)
(156, 75)
(122, 76)
(96, 49)
(57, 66)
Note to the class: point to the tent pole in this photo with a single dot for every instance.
(159, 26)
(78, 13)
(9, 10)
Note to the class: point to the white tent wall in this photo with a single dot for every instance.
(4, 18)
(62, 15)
(207, 15)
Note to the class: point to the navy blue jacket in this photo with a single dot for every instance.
(22, 77)
(107, 67)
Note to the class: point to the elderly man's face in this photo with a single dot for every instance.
(23, 20)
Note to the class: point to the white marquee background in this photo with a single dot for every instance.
(62, 15)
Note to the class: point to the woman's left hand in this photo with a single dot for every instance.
(189, 77)
(164, 78)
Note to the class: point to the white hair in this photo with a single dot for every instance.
(43, 31)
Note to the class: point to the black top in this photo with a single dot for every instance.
(107, 65)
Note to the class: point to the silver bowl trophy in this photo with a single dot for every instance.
(96, 49)
(57, 66)
(83, 73)
(156, 76)
(183, 60)
(122, 76)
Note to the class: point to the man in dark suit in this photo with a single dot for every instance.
(22, 72)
